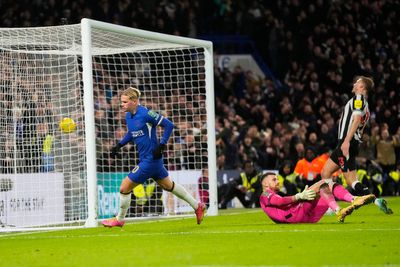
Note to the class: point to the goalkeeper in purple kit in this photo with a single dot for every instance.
(141, 123)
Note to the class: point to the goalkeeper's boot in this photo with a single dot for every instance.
(112, 222)
(342, 213)
(362, 200)
(200, 211)
(382, 205)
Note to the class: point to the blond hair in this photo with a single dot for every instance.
(131, 92)
(368, 82)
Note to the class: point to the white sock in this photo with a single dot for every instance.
(124, 203)
(181, 192)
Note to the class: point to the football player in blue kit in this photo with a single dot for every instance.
(141, 123)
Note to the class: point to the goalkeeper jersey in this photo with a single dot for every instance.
(285, 210)
(142, 131)
(279, 209)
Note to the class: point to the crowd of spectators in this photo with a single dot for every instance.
(26, 117)
(315, 48)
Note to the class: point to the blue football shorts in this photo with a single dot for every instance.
(146, 170)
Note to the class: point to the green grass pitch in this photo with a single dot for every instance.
(237, 237)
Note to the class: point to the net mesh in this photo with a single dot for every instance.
(43, 170)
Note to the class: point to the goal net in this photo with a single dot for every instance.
(49, 178)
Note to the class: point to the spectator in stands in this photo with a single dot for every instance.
(100, 116)
(221, 162)
(146, 199)
(393, 182)
(22, 140)
(247, 151)
(190, 151)
(268, 154)
(246, 188)
(288, 180)
(43, 144)
(104, 162)
(366, 152)
(314, 142)
(327, 137)
(385, 148)
(7, 161)
(297, 151)
(306, 169)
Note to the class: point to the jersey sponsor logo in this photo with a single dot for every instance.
(137, 133)
(358, 103)
(153, 114)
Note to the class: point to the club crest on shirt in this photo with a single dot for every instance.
(153, 114)
(358, 103)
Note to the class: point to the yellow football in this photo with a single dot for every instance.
(67, 125)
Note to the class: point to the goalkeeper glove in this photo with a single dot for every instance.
(115, 150)
(307, 194)
(157, 153)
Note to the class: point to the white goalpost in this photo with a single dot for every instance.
(51, 179)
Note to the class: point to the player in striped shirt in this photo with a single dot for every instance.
(141, 124)
(353, 121)
(308, 206)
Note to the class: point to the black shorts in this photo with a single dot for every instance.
(346, 164)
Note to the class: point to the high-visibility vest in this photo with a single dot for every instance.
(47, 144)
(395, 175)
(341, 180)
(290, 178)
(248, 184)
(143, 193)
(361, 174)
(140, 193)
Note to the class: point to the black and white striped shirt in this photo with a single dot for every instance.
(356, 105)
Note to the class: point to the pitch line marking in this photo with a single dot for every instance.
(19, 236)
(130, 220)
(325, 265)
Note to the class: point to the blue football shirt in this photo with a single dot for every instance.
(142, 131)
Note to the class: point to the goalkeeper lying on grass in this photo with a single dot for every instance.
(308, 206)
